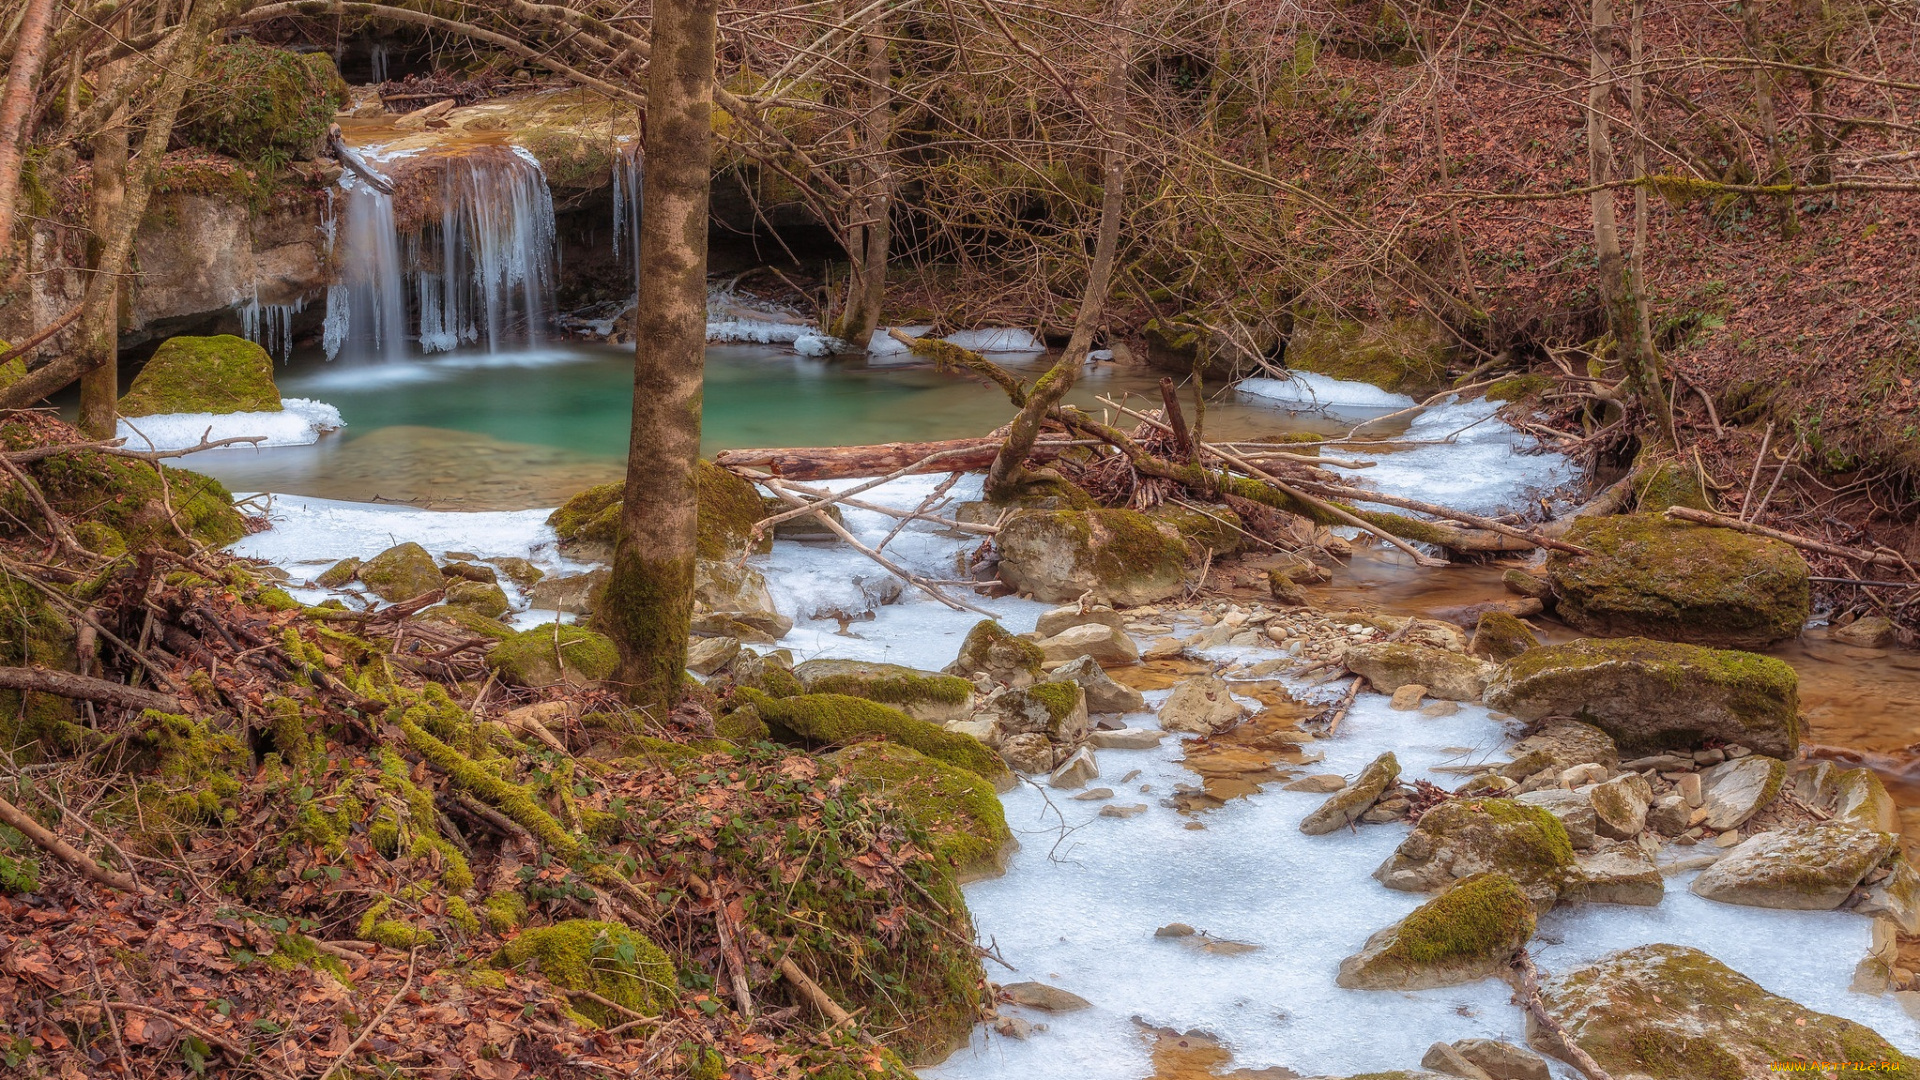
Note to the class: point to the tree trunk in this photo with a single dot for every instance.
(869, 244)
(1774, 171)
(650, 595)
(1625, 297)
(23, 68)
(99, 344)
(1009, 471)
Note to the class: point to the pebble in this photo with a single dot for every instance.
(1128, 779)
(1116, 810)
(1322, 783)
(1727, 839)
(1094, 795)
(1175, 929)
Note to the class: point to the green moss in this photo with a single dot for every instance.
(729, 507)
(124, 495)
(223, 374)
(462, 915)
(887, 683)
(33, 631)
(1216, 528)
(1668, 484)
(552, 653)
(392, 933)
(258, 103)
(337, 575)
(505, 911)
(959, 810)
(1399, 355)
(100, 539)
(1519, 387)
(471, 621)
(605, 958)
(992, 648)
(19, 874)
(274, 598)
(1482, 915)
(1528, 842)
(833, 719)
(1060, 698)
(197, 768)
(1499, 637)
(488, 601)
(510, 799)
(744, 725)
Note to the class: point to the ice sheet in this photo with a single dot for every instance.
(1307, 391)
(1485, 467)
(300, 422)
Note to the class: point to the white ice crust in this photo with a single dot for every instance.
(300, 422)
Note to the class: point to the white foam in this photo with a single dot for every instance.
(300, 422)
(1308, 392)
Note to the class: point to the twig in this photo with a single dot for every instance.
(819, 511)
(1346, 702)
(64, 851)
(1792, 454)
(347, 1056)
(1475, 520)
(788, 515)
(240, 1053)
(926, 504)
(1706, 517)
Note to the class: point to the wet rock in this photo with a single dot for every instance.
(222, 374)
(467, 570)
(1107, 646)
(1348, 804)
(1895, 897)
(708, 655)
(740, 594)
(1077, 771)
(1027, 753)
(1468, 932)
(479, 597)
(1667, 1012)
(1804, 868)
(1202, 706)
(1445, 674)
(337, 575)
(1126, 739)
(1443, 1058)
(1532, 586)
(1858, 798)
(1652, 696)
(992, 651)
(1573, 809)
(1035, 995)
(401, 572)
(1503, 1061)
(1459, 839)
(1062, 619)
(1163, 648)
(1620, 806)
(1120, 557)
(1407, 698)
(1735, 791)
(1094, 794)
(1320, 783)
(923, 695)
(1560, 745)
(1669, 815)
(1651, 577)
(1126, 811)
(1871, 632)
(573, 594)
(1614, 874)
(1499, 637)
(518, 570)
(1285, 591)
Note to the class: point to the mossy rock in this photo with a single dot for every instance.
(262, 104)
(223, 374)
(1811, 867)
(1468, 932)
(1499, 637)
(992, 650)
(339, 574)
(1408, 355)
(1654, 695)
(33, 631)
(606, 959)
(470, 621)
(1215, 529)
(478, 597)
(923, 695)
(551, 653)
(1649, 577)
(729, 506)
(1519, 388)
(1390, 665)
(1668, 484)
(959, 810)
(1463, 837)
(401, 572)
(838, 720)
(1121, 557)
(124, 495)
(1668, 1012)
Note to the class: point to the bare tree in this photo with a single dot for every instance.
(23, 68)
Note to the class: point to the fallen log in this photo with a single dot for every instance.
(83, 688)
(1873, 558)
(65, 852)
(879, 459)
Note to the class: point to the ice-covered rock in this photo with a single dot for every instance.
(1202, 706)
(298, 422)
(1807, 867)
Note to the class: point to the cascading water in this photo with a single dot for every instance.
(628, 172)
(367, 311)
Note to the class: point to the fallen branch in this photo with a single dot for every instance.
(889, 565)
(82, 688)
(1529, 994)
(52, 328)
(1707, 517)
(1475, 520)
(64, 851)
(848, 462)
(1346, 703)
(764, 524)
(412, 959)
(894, 511)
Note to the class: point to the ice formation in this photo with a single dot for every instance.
(300, 422)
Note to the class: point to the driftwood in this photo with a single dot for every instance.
(1528, 991)
(351, 159)
(848, 462)
(81, 688)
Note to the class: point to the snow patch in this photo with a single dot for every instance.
(300, 422)
(1306, 392)
(1486, 467)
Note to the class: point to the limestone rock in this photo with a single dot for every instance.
(401, 572)
(1669, 815)
(1077, 771)
(1736, 790)
(1458, 839)
(1061, 619)
(223, 374)
(1319, 783)
(739, 593)
(1057, 711)
(1653, 696)
(573, 594)
(1202, 706)
(333, 577)
(1896, 897)
(1651, 577)
(1035, 995)
(992, 651)
(1407, 698)
(1620, 806)
(1503, 1061)
(1445, 1059)
(1468, 932)
(923, 695)
(1499, 637)
(1448, 675)
(1871, 632)
(1027, 753)
(488, 600)
(1131, 738)
(1346, 805)
(518, 570)
(1121, 557)
(1614, 874)
(1573, 809)
(1559, 745)
(1859, 798)
(1531, 586)
(708, 655)
(1804, 868)
(1103, 694)
(1667, 1012)
(1108, 646)
(1129, 810)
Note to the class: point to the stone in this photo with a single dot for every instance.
(1895, 897)
(573, 594)
(221, 374)
(1458, 839)
(1319, 783)
(478, 596)
(1345, 806)
(923, 695)
(518, 570)
(1014, 1027)
(1035, 995)
(401, 572)
(552, 654)
(1620, 806)
(728, 508)
(1532, 586)
(991, 650)
(1131, 738)
(1688, 787)
(1502, 1060)
(1407, 698)
(468, 570)
(1202, 706)
(1484, 785)
(1735, 791)
(1076, 772)
(985, 730)
(1803, 868)
(337, 575)
(1499, 637)
(1573, 809)
(1858, 798)
(708, 655)
(739, 593)
(1668, 815)
(1163, 648)
(1579, 776)
(1468, 932)
(1108, 646)
(1027, 753)
(1057, 711)
(1175, 930)
(1656, 578)
(1094, 794)
(1614, 874)
(1127, 811)
(1652, 696)
(1118, 557)
(1560, 745)
(1449, 675)
(1061, 619)
(1667, 1012)
(1870, 632)
(1442, 1058)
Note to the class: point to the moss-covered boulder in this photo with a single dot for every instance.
(1668, 484)
(1120, 557)
(470, 621)
(957, 808)
(1447, 675)
(606, 959)
(589, 523)
(1345, 806)
(1407, 355)
(121, 495)
(1810, 867)
(478, 596)
(223, 374)
(1057, 710)
(992, 650)
(923, 695)
(1649, 577)
(1667, 1012)
(839, 720)
(550, 654)
(1215, 529)
(1499, 637)
(1463, 837)
(258, 103)
(34, 631)
(401, 572)
(1468, 932)
(1653, 695)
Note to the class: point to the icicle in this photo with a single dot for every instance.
(271, 325)
(628, 173)
(497, 248)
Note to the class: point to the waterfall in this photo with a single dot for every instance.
(379, 58)
(628, 173)
(271, 325)
(483, 273)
